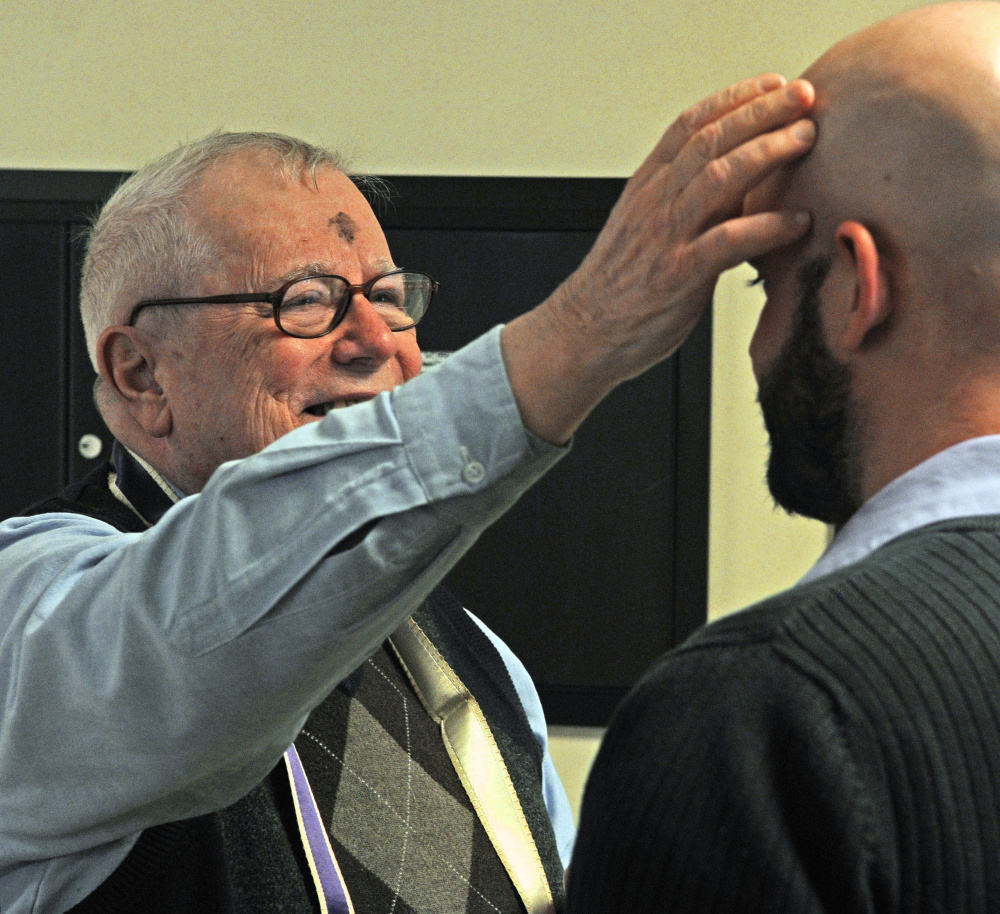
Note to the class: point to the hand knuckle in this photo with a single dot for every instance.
(719, 171)
(708, 140)
(684, 262)
(701, 146)
(689, 119)
(725, 235)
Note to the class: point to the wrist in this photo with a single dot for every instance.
(555, 361)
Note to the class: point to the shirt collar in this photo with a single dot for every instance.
(962, 481)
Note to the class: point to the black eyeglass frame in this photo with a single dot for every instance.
(275, 298)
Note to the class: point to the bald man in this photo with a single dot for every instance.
(837, 747)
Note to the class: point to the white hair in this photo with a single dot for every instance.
(144, 244)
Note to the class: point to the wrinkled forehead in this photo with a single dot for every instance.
(269, 222)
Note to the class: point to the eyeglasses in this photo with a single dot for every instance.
(314, 305)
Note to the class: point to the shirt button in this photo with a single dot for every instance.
(473, 472)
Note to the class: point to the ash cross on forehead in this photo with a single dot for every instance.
(345, 226)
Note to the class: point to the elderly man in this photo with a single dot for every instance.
(228, 681)
(835, 747)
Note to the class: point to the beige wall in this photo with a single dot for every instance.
(521, 87)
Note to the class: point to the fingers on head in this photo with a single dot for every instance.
(710, 110)
(720, 185)
(730, 100)
(745, 238)
(768, 112)
(759, 116)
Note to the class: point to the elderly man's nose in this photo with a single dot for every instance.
(363, 333)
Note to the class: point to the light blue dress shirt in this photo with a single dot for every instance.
(151, 677)
(962, 481)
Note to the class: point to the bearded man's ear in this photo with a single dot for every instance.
(858, 258)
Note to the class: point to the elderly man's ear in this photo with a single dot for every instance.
(127, 361)
(859, 262)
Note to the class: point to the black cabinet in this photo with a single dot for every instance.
(593, 574)
(52, 432)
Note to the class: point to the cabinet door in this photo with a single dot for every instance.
(34, 366)
(52, 432)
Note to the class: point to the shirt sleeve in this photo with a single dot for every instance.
(151, 677)
(556, 801)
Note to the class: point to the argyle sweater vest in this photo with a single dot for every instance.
(404, 831)
(835, 748)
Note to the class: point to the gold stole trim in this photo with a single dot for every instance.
(157, 478)
(120, 495)
(477, 759)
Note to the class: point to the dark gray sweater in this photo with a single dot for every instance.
(835, 748)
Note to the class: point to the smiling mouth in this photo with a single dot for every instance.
(321, 409)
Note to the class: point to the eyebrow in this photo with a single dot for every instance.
(317, 268)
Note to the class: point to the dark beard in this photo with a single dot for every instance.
(814, 467)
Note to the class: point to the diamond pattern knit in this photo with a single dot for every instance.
(401, 824)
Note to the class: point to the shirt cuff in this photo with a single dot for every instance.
(461, 427)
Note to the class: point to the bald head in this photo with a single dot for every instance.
(909, 115)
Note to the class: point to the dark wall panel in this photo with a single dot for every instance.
(87, 437)
(34, 363)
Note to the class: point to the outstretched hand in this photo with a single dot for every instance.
(653, 269)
